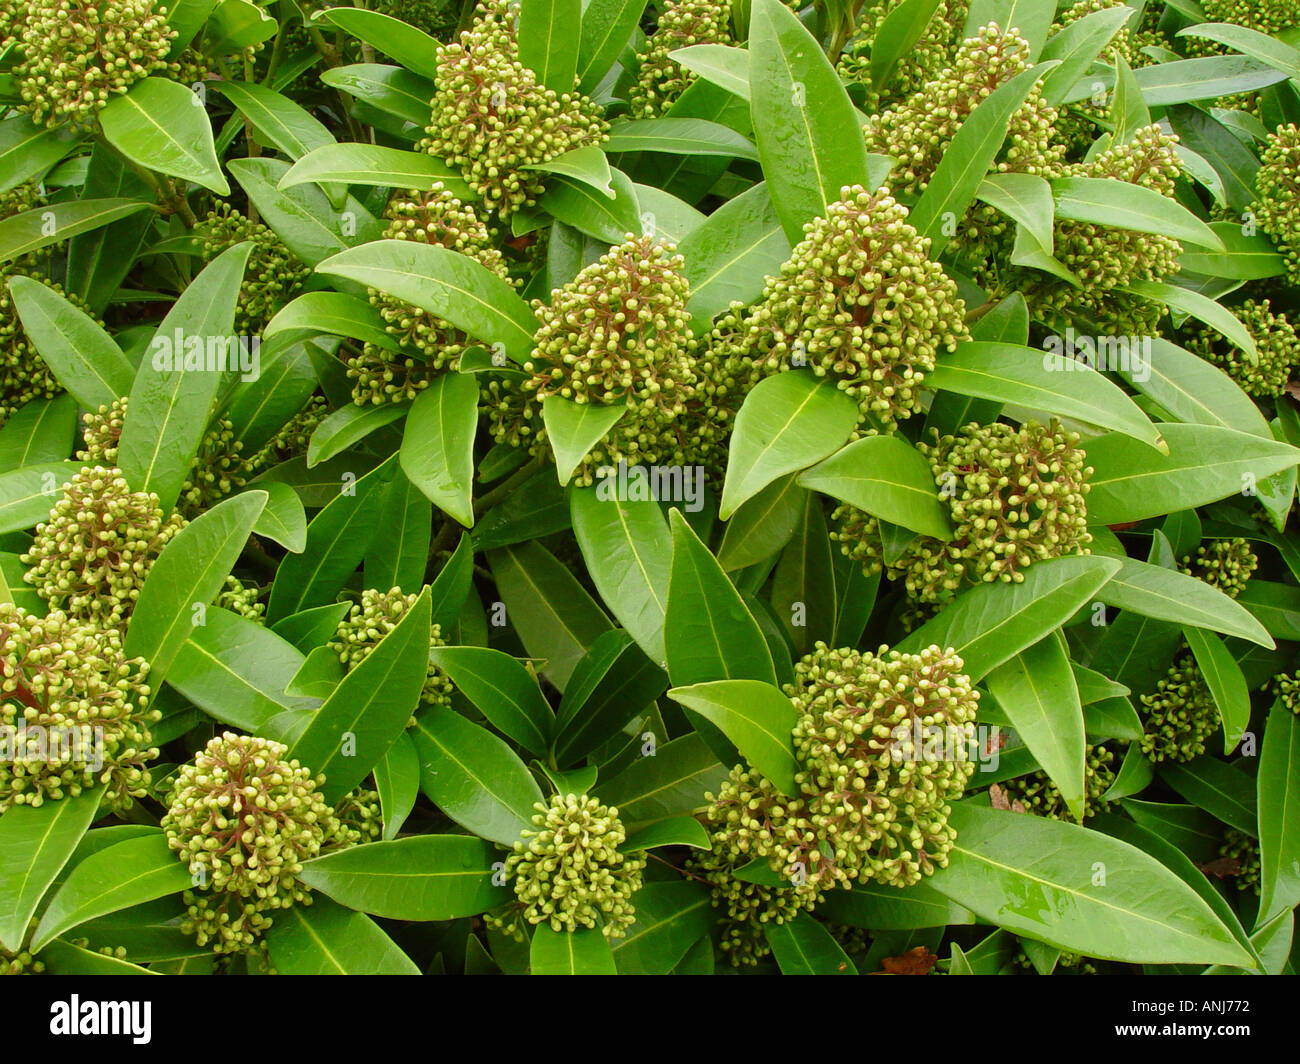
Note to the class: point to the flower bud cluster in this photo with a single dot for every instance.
(618, 333)
(272, 275)
(491, 118)
(1223, 563)
(859, 301)
(76, 56)
(1181, 714)
(369, 620)
(1276, 342)
(92, 556)
(244, 820)
(1240, 847)
(926, 61)
(877, 800)
(1039, 795)
(217, 470)
(237, 598)
(661, 79)
(919, 131)
(24, 375)
(74, 682)
(427, 345)
(567, 869)
(291, 440)
(1014, 497)
(1277, 190)
(882, 747)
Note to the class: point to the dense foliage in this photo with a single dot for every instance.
(605, 486)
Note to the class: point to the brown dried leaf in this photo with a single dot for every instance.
(917, 961)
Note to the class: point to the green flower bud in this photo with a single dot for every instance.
(273, 274)
(1039, 795)
(1240, 848)
(62, 679)
(77, 56)
(567, 869)
(661, 79)
(925, 62)
(1276, 341)
(491, 118)
(1223, 563)
(92, 556)
(860, 302)
(1181, 714)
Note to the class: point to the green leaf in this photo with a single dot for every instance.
(803, 588)
(327, 939)
(672, 782)
(680, 136)
(888, 478)
(991, 623)
(1194, 390)
(349, 425)
(1198, 306)
(709, 633)
(474, 777)
(763, 524)
(169, 407)
(191, 569)
(1223, 676)
(162, 126)
(335, 313)
(582, 952)
(897, 35)
(397, 779)
(437, 453)
(1205, 463)
(883, 908)
(1168, 595)
(670, 918)
(1193, 79)
(236, 671)
(969, 157)
(504, 691)
(1047, 380)
(588, 165)
(124, 874)
(367, 711)
(1119, 205)
(592, 211)
(426, 877)
(1250, 42)
(675, 831)
(554, 615)
(28, 150)
(731, 253)
(40, 431)
(390, 89)
(1037, 692)
(446, 283)
(1222, 790)
(801, 116)
(37, 842)
(80, 354)
(607, 27)
(56, 222)
(723, 65)
(1024, 874)
(755, 716)
(802, 946)
(337, 539)
(574, 429)
(1024, 198)
(276, 118)
(374, 164)
(1244, 258)
(610, 685)
(1279, 814)
(407, 45)
(27, 495)
(1076, 46)
(548, 45)
(787, 423)
(628, 551)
